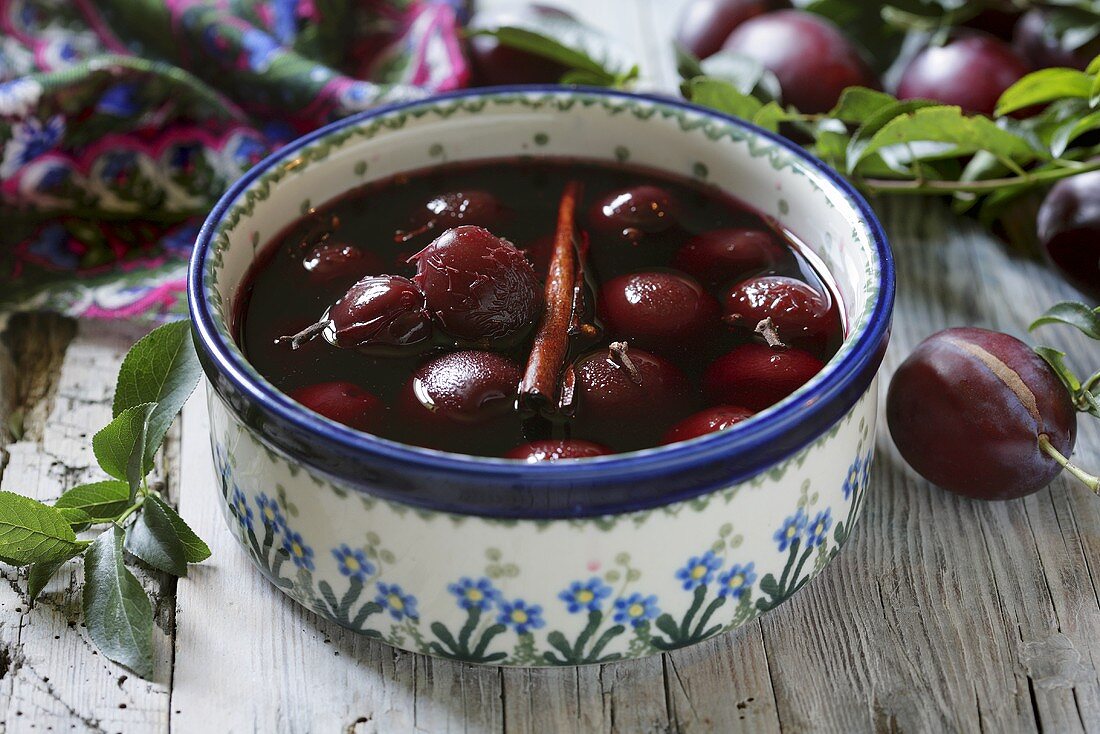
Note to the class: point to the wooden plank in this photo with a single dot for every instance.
(61, 377)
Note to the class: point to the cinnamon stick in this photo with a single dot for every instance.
(540, 384)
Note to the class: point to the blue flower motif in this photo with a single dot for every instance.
(360, 92)
(852, 481)
(818, 527)
(29, 15)
(480, 594)
(300, 553)
(399, 604)
(52, 179)
(67, 52)
(791, 529)
(53, 245)
(865, 474)
(588, 595)
(118, 167)
(699, 570)
(240, 508)
(277, 132)
(180, 240)
(30, 138)
(221, 461)
(247, 151)
(285, 20)
(270, 514)
(260, 48)
(353, 562)
(119, 100)
(736, 581)
(520, 616)
(359, 95)
(183, 158)
(636, 609)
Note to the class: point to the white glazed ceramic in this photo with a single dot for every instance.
(497, 567)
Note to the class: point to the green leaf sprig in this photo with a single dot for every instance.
(987, 165)
(1084, 393)
(589, 57)
(157, 376)
(919, 147)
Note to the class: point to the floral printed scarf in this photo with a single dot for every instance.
(121, 121)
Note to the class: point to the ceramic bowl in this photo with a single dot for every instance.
(497, 562)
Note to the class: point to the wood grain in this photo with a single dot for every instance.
(942, 614)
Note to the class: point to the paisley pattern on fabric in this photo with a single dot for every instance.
(122, 121)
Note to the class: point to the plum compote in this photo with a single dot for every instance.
(537, 310)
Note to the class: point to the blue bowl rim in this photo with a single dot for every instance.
(739, 440)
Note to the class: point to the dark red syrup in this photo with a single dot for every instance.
(673, 319)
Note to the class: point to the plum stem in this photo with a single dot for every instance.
(305, 335)
(767, 329)
(1090, 481)
(621, 351)
(1091, 382)
(984, 186)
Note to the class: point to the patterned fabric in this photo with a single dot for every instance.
(121, 121)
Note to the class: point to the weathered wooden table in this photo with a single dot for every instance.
(941, 614)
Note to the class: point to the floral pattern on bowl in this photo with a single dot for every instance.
(592, 611)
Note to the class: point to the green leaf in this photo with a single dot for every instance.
(769, 116)
(154, 538)
(31, 532)
(687, 63)
(116, 609)
(723, 96)
(1071, 130)
(858, 104)
(100, 501)
(161, 368)
(120, 447)
(1057, 362)
(1043, 86)
(875, 122)
(78, 519)
(832, 139)
(1077, 315)
(958, 134)
(568, 42)
(584, 77)
(195, 550)
(747, 75)
(541, 45)
(1094, 66)
(163, 539)
(40, 574)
